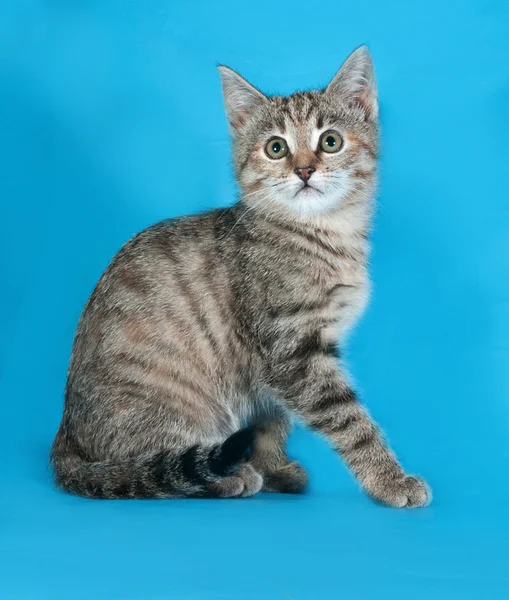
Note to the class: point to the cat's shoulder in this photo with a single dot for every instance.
(168, 234)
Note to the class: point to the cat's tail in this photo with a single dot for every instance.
(163, 474)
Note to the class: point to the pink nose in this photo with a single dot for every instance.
(305, 173)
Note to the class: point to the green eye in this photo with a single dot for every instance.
(331, 141)
(276, 148)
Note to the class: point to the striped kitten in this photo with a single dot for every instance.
(208, 334)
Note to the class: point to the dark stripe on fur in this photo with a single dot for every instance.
(309, 237)
(188, 463)
(140, 491)
(122, 491)
(309, 346)
(297, 361)
(331, 400)
(364, 441)
(275, 243)
(298, 308)
(225, 311)
(187, 294)
(224, 460)
(346, 423)
(159, 469)
(322, 421)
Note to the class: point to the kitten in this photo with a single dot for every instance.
(207, 324)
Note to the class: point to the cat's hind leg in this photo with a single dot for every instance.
(270, 459)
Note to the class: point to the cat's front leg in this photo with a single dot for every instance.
(316, 389)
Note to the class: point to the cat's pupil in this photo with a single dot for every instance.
(276, 147)
(330, 141)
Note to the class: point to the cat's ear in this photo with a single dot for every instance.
(355, 83)
(241, 99)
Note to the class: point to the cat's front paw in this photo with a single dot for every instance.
(403, 492)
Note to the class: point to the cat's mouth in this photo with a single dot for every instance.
(307, 190)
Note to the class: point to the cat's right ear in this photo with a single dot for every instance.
(241, 99)
(355, 83)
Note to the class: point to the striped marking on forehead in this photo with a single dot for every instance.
(298, 107)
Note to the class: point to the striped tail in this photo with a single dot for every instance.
(163, 474)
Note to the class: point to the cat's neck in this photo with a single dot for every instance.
(350, 220)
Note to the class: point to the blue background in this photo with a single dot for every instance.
(111, 118)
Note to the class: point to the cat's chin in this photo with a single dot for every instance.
(310, 203)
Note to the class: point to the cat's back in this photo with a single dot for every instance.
(173, 249)
(167, 290)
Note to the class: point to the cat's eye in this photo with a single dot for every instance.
(331, 141)
(276, 148)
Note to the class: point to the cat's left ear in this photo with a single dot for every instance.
(241, 99)
(355, 83)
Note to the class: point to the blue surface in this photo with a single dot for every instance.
(111, 118)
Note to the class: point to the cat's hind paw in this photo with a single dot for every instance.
(246, 482)
(292, 478)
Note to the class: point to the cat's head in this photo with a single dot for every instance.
(309, 153)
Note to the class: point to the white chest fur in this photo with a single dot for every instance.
(347, 305)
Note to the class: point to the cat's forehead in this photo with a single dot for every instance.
(300, 110)
(298, 116)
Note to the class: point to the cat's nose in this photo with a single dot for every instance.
(305, 173)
